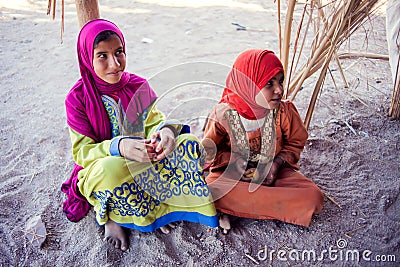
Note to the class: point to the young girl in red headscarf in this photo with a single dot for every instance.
(253, 140)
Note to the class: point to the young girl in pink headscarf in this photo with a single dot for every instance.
(138, 170)
(253, 140)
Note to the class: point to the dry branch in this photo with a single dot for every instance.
(336, 21)
(332, 200)
(86, 10)
(394, 110)
(51, 7)
(366, 55)
(287, 33)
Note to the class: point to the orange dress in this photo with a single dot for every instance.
(292, 198)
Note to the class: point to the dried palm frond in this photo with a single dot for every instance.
(51, 7)
(279, 27)
(394, 110)
(336, 21)
(86, 10)
(288, 28)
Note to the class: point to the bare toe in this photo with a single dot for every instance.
(116, 236)
(224, 223)
(172, 225)
(117, 243)
(165, 229)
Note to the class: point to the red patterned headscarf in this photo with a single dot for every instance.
(250, 73)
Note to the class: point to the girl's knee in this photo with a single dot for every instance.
(110, 166)
(316, 196)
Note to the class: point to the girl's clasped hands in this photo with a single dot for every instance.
(156, 148)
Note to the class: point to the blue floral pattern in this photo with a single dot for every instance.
(112, 114)
(119, 123)
(173, 176)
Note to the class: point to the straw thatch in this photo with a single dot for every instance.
(333, 22)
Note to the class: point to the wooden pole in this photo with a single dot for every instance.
(279, 28)
(286, 39)
(393, 37)
(394, 111)
(87, 10)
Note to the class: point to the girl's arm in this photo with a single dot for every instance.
(214, 134)
(294, 136)
(85, 150)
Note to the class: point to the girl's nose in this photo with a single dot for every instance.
(278, 88)
(114, 62)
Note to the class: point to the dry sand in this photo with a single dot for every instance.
(353, 151)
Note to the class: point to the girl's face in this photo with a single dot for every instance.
(109, 59)
(271, 94)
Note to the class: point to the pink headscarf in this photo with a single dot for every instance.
(250, 73)
(85, 110)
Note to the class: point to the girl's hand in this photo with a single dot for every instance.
(272, 174)
(240, 163)
(140, 150)
(248, 175)
(269, 179)
(164, 142)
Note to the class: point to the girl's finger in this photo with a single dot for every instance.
(151, 156)
(160, 156)
(159, 147)
(149, 148)
(249, 171)
(153, 139)
(245, 179)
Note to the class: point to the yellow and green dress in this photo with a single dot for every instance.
(143, 196)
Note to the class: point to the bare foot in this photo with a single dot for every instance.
(116, 236)
(167, 228)
(224, 223)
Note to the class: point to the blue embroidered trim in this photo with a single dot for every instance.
(112, 114)
(119, 121)
(175, 216)
(114, 146)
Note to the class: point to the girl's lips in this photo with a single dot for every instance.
(115, 73)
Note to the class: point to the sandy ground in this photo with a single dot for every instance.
(185, 49)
